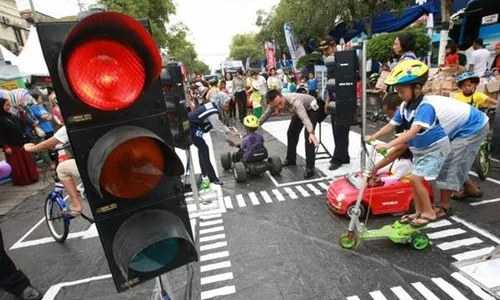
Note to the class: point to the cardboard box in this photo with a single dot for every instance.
(380, 82)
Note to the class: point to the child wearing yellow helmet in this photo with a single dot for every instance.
(251, 141)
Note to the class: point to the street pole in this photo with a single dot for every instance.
(363, 102)
(445, 27)
(33, 11)
(80, 6)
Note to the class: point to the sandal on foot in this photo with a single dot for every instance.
(405, 219)
(419, 225)
(72, 213)
(443, 212)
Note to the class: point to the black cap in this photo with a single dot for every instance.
(479, 42)
(327, 41)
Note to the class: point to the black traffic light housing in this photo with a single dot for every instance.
(105, 71)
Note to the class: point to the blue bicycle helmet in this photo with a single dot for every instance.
(467, 75)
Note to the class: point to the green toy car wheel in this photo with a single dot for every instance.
(420, 241)
(346, 242)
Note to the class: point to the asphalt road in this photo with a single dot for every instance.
(274, 239)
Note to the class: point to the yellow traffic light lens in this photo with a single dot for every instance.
(156, 256)
(106, 74)
(133, 169)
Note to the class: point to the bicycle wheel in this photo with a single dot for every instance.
(482, 163)
(58, 228)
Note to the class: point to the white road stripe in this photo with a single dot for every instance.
(266, 197)
(377, 295)
(424, 291)
(353, 298)
(314, 189)
(209, 217)
(210, 223)
(302, 191)
(449, 289)
(216, 266)
(487, 178)
(253, 198)
(445, 233)
(278, 195)
(401, 293)
(484, 202)
(216, 278)
(473, 253)
(212, 237)
(211, 230)
(291, 193)
(213, 246)
(323, 185)
(212, 256)
(228, 203)
(438, 224)
(459, 243)
(241, 201)
(477, 229)
(477, 290)
(223, 291)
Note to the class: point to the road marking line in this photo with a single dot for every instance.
(473, 253)
(494, 159)
(213, 256)
(253, 198)
(401, 293)
(477, 229)
(445, 233)
(241, 201)
(266, 197)
(211, 230)
(484, 202)
(211, 223)
(353, 298)
(459, 243)
(216, 278)
(323, 185)
(314, 189)
(438, 224)
(302, 191)
(193, 227)
(377, 295)
(477, 290)
(211, 267)
(487, 178)
(278, 195)
(449, 289)
(212, 237)
(291, 193)
(52, 292)
(223, 291)
(213, 246)
(424, 291)
(228, 203)
(47, 240)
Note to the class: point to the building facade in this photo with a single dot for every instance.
(13, 28)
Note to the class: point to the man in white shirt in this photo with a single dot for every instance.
(67, 170)
(479, 58)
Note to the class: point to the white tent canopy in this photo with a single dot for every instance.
(31, 60)
(9, 56)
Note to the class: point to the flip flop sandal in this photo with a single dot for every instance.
(72, 213)
(444, 212)
(406, 219)
(420, 225)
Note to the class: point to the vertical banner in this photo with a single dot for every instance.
(270, 55)
(296, 50)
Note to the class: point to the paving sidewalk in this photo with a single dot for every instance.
(11, 196)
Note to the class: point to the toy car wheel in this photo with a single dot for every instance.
(225, 160)
(348, 242)
(362, 210)
(419, 241)
(240, 172)
(274, 165)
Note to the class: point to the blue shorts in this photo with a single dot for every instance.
(428, 162)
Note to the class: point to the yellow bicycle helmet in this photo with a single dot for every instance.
(408, 72)
(251, 121)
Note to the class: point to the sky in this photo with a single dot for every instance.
(212, 23)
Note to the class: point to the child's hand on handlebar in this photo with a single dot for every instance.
(369, 138)
(28, 147)
(381, 147)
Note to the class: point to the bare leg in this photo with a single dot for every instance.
(70, 186)
(424, 202)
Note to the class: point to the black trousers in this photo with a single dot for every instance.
(240, 98)
(204, 156)
(11, 279)
(341, 139)
(293, 133)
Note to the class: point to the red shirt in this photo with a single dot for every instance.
(451, 59)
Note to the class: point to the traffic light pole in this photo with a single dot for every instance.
(192, 179)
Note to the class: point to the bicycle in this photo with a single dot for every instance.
(57, 221)
(482, 163)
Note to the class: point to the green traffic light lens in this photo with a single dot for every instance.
(156, 256)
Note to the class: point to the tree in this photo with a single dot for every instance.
(157, 12)
(180, 49)
(199, 67)
(246, 45)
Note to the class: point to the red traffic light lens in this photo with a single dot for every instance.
(133, 169)
(106, 74)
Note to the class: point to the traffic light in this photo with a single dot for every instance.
(105, 71)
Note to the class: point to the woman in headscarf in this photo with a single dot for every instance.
(11, 140)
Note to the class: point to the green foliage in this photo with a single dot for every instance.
(246, 45)
(380, 47)
(310, 59)
(199, 67)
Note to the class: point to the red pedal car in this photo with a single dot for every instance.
(390, 199)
